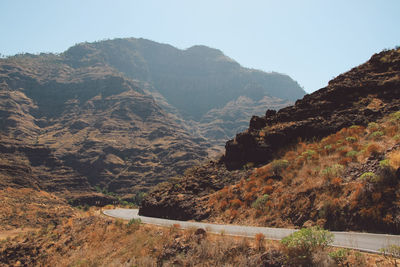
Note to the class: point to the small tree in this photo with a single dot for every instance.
(302, 244)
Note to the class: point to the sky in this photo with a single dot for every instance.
(312, 41)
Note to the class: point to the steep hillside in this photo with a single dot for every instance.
(192, 82)
(347, 180)
(66, 130)
(364, 94)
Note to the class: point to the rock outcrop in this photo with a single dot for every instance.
(364, 94)
(186, 198)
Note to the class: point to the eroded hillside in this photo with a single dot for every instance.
(123, 115)
(68, 129)
(196, 85)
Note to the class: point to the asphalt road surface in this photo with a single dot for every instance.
(361, 241)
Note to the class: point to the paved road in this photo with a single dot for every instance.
(361, 241)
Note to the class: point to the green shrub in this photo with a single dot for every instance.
(384, 163)
(260, 202)
(396, 116)
(279, 165)
(396, 137)
(309, 153)
(351, 139)
(328, 147)
(134, 221)
(303, 243)
(333, 171)
(352, 154)
(354, 127)
(369, 177)
(248, 165)
(373, 126)
(340, 255)
(377, 134)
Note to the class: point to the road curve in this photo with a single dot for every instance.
(353, 240)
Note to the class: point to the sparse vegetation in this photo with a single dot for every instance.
(337, 181)
(279, 165)
(369, 177)
(260, 202)
(303, 243)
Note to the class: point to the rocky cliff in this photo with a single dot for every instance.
(359, 96)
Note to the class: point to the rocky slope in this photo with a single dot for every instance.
(66, 129)
(123, 115)
(196, 84)
(364, 94)
(187, 198)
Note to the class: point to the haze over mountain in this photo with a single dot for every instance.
(123, 114)
(197, 85)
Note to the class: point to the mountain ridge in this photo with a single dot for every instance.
(95, 116)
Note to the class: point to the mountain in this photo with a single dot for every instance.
(70, 129)
(332, 159)
(190, 83)
(123, 115)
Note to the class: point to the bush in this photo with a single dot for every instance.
(369, 177)
(355, 127)
(352, 154)
(279, 165)
(351, 139)
(134, 221)
(236, 203)
(302, 244)
(384, 163)
(309, 154)
(339, 256)
(373, 126)
(396, 116)
(259, 241)
(377, 134)
(260, 202)
(333, 171)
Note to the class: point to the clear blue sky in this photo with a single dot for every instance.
(310, 40)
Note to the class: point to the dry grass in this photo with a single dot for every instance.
(394, 159)
(29, 208)
(322, 183)
(99, 241)
(62, 236)
(94, 240)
